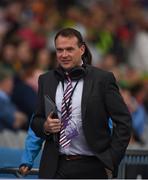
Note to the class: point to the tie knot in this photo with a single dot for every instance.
(68, 77)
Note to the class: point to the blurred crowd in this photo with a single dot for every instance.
(116, 31)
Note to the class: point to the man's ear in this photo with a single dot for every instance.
(82, 48)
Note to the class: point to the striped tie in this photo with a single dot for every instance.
(66, 112)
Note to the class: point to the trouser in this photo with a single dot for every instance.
(80, 167)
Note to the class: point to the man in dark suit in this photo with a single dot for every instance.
(79, 143)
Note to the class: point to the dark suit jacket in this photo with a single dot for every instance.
(100, 100)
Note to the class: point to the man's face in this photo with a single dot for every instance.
(68, 52)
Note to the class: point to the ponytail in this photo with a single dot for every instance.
(87, 56)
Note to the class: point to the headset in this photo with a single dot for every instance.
(75, 73)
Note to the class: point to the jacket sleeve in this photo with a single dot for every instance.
(39, 115)
(121, 118)
(33, 146)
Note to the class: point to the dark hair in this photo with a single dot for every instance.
(70, 32)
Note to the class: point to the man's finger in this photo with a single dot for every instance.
(54, 121)
(55, 130)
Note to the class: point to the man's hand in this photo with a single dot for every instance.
(109, 173)
(52, 125)
(24, 170)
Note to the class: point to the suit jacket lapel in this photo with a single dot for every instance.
(86, 91)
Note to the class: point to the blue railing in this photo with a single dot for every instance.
(132, 158)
